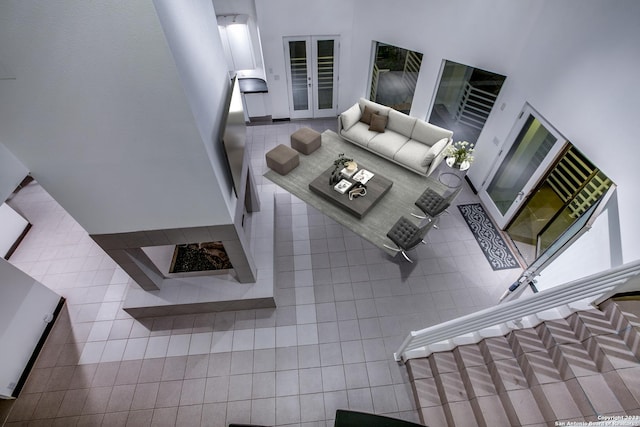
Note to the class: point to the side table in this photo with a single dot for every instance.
(452, 176)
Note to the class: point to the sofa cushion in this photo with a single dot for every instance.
(378, 123)
(359, 133)
(350, 117)
(387, 144)
(367, 113)
(411, 155)
(401, 123)
(434, 151)
(381, 109)
(429, 134)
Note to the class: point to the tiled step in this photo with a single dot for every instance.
(547, 373)
(571, 369)
(624, 315)
(601, 339)
(512, 387)
(426, 393)
(485, 403)
(587, 368)
(452, 390)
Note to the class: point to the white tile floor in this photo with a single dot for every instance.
(343, 308)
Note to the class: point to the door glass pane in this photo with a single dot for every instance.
(570, 188)
(325, 70)
(394, 76)
(298, 57)
(589, 193)
(464, 99)
(527, 153)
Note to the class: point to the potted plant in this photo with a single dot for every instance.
(338, 165)
(459, 153)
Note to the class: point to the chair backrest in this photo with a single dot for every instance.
(418, 237)
(432, 203)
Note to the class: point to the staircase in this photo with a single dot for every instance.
(572, 369)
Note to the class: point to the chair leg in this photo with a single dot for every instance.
(404, 254)
(393, 249)
(418, 216)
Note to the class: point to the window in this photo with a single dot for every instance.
(394, 76)
(465, 98)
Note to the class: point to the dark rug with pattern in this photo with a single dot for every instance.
(491, 242)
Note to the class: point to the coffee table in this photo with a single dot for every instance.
(377, 187)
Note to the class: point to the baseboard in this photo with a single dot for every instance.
(473, 188)
(38, 349)
(15, 245)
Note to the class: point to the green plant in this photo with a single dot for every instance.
(341, 160)
(461, 151)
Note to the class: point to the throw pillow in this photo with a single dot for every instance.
(350, 117)
(378, 123)
(366, 115)
(434, 151)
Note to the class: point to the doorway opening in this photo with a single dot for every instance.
(464, 99)
(394, 76)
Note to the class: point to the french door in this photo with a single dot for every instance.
(312, 65)
(535, 145)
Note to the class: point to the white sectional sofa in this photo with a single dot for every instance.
(413, 143)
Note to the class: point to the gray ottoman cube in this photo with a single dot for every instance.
(305, 140)
(282, 159)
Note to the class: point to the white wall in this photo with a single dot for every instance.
(575, 61)
(283, 18)
(577, 69)
(245, 7)
(12, 172)
(194, 40)
(24, 302)
(586, 256)
(99, 115)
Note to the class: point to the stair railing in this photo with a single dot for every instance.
(587, 288)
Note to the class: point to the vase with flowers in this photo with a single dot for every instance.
(459, 155)
(338, 165)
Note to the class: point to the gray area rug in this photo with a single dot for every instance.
(491, 242)
(399, 201)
